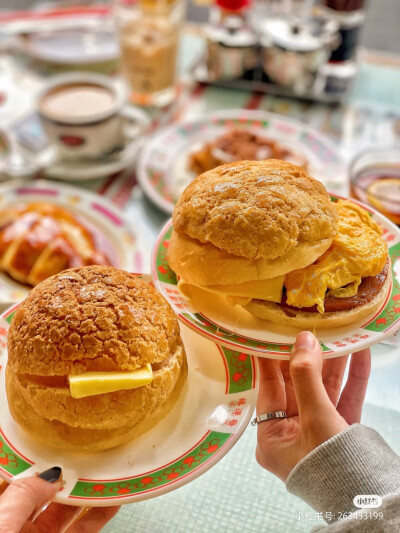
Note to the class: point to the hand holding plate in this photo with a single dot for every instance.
(308, 389)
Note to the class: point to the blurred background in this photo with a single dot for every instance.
(380, 32)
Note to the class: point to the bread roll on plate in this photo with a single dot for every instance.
(95, 359)
(267, 236)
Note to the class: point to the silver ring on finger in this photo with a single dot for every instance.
(272, 415)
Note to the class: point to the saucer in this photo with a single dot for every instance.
(34, 154)
(120, 158)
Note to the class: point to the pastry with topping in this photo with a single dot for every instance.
(95, 359)
(267, 236)
(239, 145)
(38, 240)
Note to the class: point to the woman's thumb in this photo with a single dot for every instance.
(306, 373)
(25, 496)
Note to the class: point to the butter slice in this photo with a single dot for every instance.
(266, 289)
(93, 383)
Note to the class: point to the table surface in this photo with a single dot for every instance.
(237, 495)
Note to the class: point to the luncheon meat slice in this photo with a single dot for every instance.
(367, 290)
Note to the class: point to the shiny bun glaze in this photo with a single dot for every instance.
(39, 239)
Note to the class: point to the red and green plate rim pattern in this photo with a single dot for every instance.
(12, 461)
(384, 321)
(240, 369)
(203, 451)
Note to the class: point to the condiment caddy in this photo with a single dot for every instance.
(308, 52)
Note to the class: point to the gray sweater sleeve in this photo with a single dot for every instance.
(356, 461)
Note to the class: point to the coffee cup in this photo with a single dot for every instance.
(83, 115)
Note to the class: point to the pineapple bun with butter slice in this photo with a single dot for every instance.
(95, 359)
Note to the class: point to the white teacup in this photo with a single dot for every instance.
(82, 114)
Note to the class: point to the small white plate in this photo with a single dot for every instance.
(236, 328)
(90, 207)
(199, 430)
(82, 47)
(163, 169)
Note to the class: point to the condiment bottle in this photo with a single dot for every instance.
(350, 16)
(231, 43)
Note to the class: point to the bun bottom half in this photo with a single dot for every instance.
(274, 313)
(56, 434)
(205, 264)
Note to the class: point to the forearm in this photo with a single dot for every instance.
(356, 461)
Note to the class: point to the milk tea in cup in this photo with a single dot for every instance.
(81, 115)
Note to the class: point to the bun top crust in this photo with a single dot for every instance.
(95, 318)
(256, 209)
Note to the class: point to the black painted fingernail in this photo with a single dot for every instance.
(52, 474)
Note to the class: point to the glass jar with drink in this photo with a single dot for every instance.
(148, 33)
(375, 180)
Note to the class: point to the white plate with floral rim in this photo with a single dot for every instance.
(163, 170)
(198, 431)
(235, 328)
(110, 228)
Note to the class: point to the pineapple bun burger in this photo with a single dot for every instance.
(268, 237)
(95, 359)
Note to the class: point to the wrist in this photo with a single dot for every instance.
(322, 431)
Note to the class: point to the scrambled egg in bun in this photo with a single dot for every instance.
(268, 237)
(95, 359)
